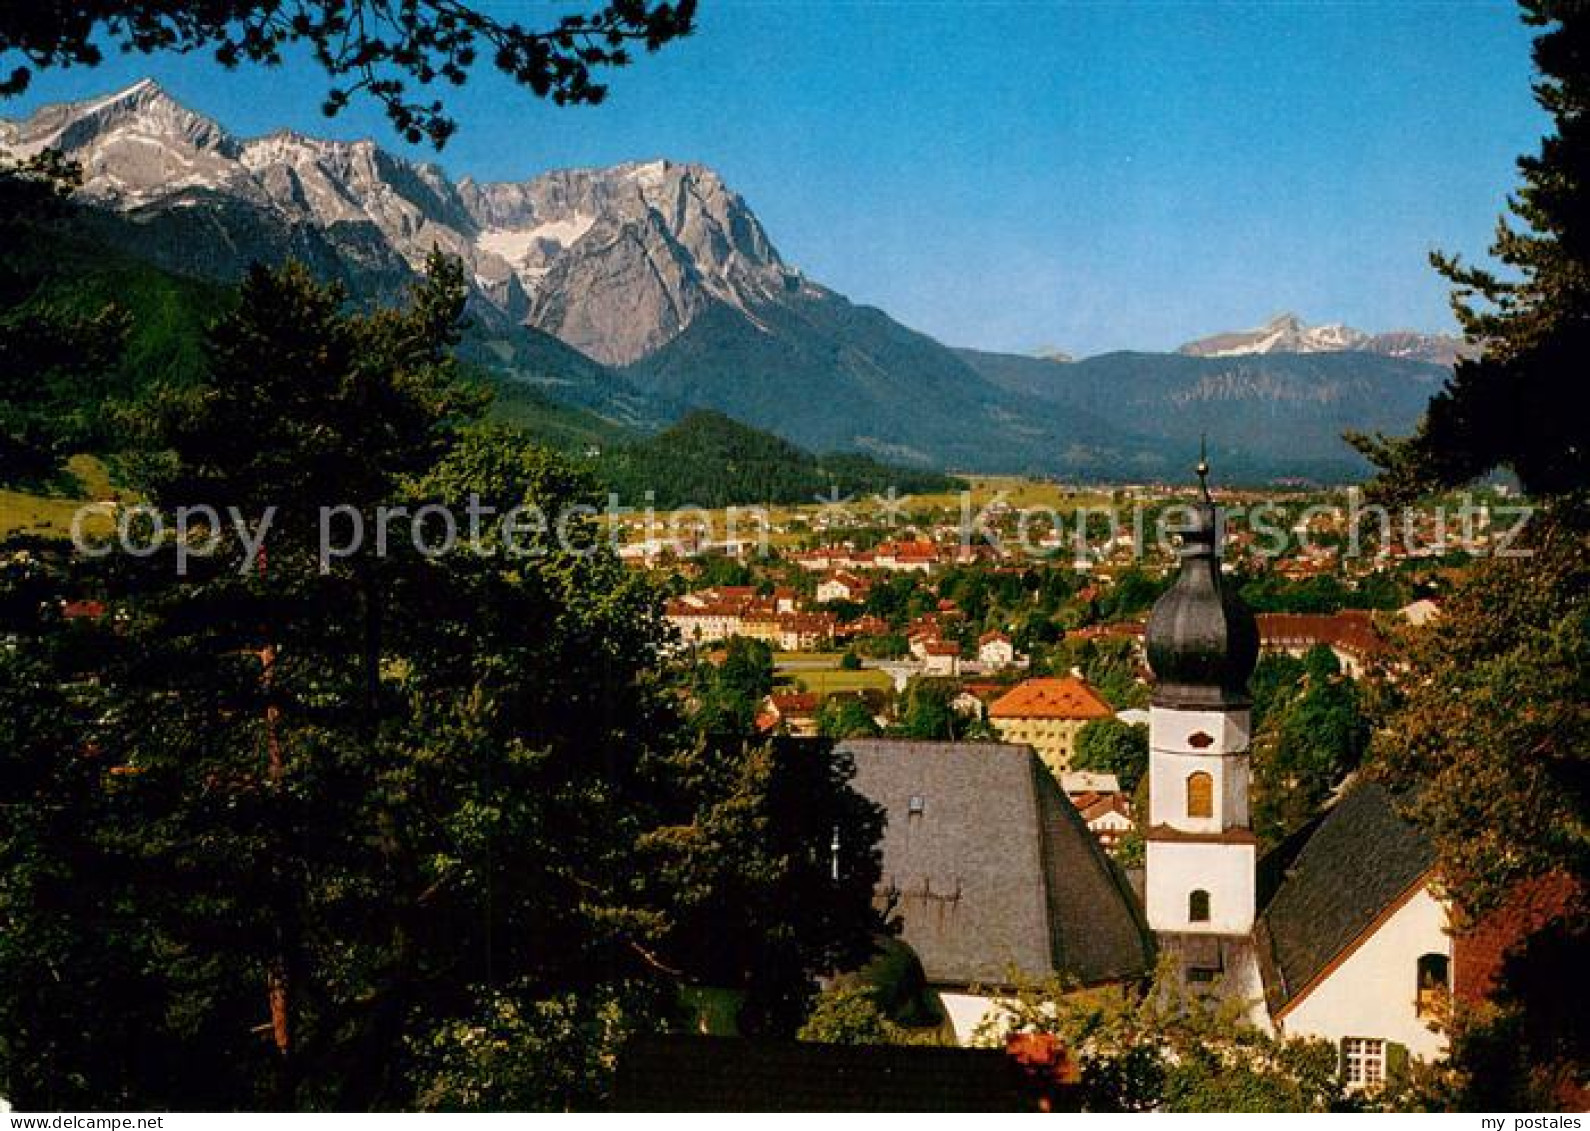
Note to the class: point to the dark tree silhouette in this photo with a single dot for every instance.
(380, 48)
(1508, 408)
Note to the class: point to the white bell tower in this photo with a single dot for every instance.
(1202, 645)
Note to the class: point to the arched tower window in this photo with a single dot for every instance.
(1198, 904)
(1200, 795)
(1433, 971)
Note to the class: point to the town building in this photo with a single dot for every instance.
(1108, 816)
(795, 712)
(995, 651)
(941, 658)
(843, 585)
(1350, 635)
(1047, 713)
(711, 615)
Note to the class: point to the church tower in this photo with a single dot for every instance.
(1202, 645)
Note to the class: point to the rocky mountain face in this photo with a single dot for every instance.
(648, 289)
(614, 262)
(617, 262)
(1287, 333)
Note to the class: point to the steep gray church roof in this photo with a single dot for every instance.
(1357, 861)
(992, 868)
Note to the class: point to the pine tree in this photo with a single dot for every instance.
(290, 859)
(1513, 406)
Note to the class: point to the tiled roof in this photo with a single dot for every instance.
(1051, 698)
(83, 610)
(1352, 630)
(995, 871)
(1356, 862)
(795, 703)
(1089, 781)
(983, 689)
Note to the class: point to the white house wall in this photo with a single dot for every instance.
(1373, 993)
(966, 1012)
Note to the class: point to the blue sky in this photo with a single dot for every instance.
(1091, 176)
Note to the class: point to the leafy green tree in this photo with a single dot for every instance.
(1275, 679)
(848, 1015)
(1111, 666)
(729, 693)
(1306, 743)
(709, 460)
(1110, 746)
(1491, 722)
(299, 827)
(505, 1057)
(366, 48)
(56, 363)
(927, 713)
(720, 569)
(1167, 1051)
(846, 716)
(1486, 730)
(771, 868)
(1505, 408)
(1131, 851)
(1133, 594)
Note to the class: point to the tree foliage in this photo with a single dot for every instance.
(846, 716)
(1488, 729)
(1168, 1051)
(709, 460)
(1309, 733)
(55, 362)
(1492, 721)
(727, 693)
(1508, 407)
(849, 1014)
(1110, 746)
(390, 828)
(926, 711)
(389, 52)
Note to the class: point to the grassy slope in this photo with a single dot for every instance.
(50, 516)
(719, 463)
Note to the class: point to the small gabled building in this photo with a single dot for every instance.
(941, 658)
(993, 874)
(794, 711)
(1354, 943)
(842, 585)
(995, 651)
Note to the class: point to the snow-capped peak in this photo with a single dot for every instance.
(660, 240)
(1287, 333)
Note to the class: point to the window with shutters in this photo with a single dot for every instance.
(1200, 795)
(1363, 1062)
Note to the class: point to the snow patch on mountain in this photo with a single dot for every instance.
(1287, 333)
(616, 262)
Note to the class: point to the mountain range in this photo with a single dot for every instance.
(1287, 333)
(649, 289)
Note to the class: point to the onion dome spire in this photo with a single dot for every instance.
(1202, 641)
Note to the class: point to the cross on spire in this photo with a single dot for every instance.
(1203, 465)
